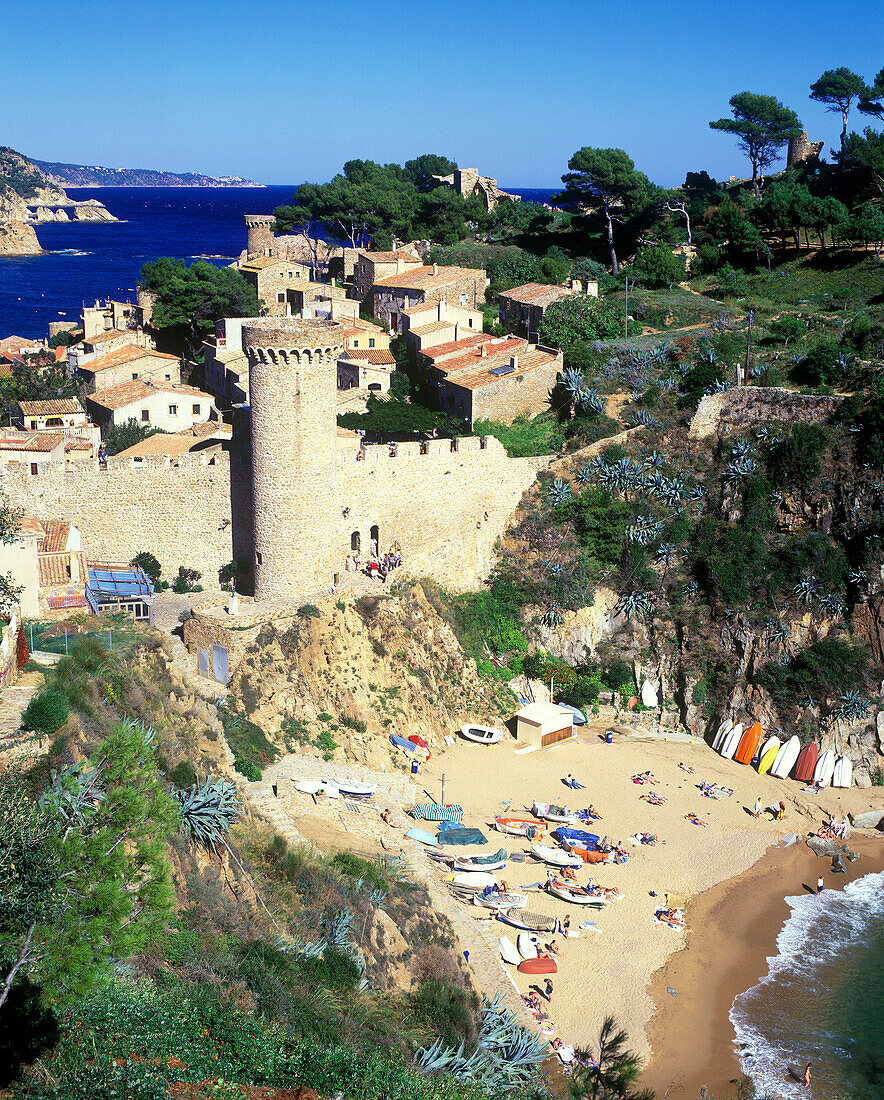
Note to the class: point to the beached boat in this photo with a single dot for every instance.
(542, 964)
(649, 694)
(355, 790)
(825, 766)
(416, 739)
(502, 902)
(806, 765)
(748, 745)
(402, 743)
(569, 891)
(732, 741)
(558, 814)
(768, 754)
(483, 735)
(576, 837)
(494, 862)
(723, 730)
(474, 880)
(529, 921)
(843, 773)
(579, 718)
(508, 951)
(527, 946)
(309, 786)
(423, 836)
(520, 826)
(555, 857)
(786, 758)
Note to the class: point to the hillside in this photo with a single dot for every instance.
(80, 175)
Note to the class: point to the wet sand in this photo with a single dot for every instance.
(733, 929)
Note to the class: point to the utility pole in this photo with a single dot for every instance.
(745, 378)
(443, 788)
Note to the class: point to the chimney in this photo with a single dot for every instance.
(483, 351)
(456, 327)
(400, 266)
(439, 309)
(514, 362)
(435, 269)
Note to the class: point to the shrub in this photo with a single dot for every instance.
(248, 769)
(357, 724)
(326, 744)
(148, 564)
(22, 653)
(27, 1029)
(186, 581)
(46, 712)
(308, 611)
(184, 774)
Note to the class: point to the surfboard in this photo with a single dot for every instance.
(309, 786)
(543, 964)
(769, 752)
(843, 773)
(723, 730)
(786, 758)
(527, 946)
(749, 743)
(508, 951)
(649, 694)
(807, 759)
(731, 743)
(822, 773)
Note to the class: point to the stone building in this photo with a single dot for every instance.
(111, 316)
(367, 370)
(369, 267)
(157, 404)
(802, 151)
(276, 281)
(101, 372)
(32, 449)
(469, 184)
(518, 386)
(394, 294)
(225, 366)
(523, 307)
(431, 323)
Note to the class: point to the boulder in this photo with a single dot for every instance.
(871, 819)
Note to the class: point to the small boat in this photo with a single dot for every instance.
(520, 826)
(355, 790)
(542, 964)
(423, 836)
(732, 741)
(401, 743)
(483, 735)
(786, 758)
(309, 786)
(843, 773)
(822, 773)
(806, 765)
(527, 946)
(768, 754)
(579, 718)
(502, 902)
(559, 814)
(495, 862)
(568, 891)
(748, 745)
(508, 951)
(474, 880)
(555, 857)
(579, 837)
(723, 730)
(529, 921)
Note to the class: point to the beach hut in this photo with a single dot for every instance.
(542, 724)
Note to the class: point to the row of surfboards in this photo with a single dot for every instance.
(733, 741)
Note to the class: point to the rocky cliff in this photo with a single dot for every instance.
(80, 175)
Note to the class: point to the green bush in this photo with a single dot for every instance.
(184, 774)
(326, 744)
(46, 712)
(249, 770)
(831, 666)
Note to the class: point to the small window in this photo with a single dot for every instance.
(258, 557)
(134, 377)
(471, 322)
(33, 467)
(173, 410)
(463, 299)
(280, 297)
(371, 341)
(168, 377)
(33, 425)
(196, 410)
(145, 416)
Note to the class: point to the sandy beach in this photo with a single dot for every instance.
(733, 870)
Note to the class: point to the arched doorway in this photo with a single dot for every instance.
(355, 541)
(375, 536)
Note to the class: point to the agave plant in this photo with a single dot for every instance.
(741, 448)
(634, 605)
(738, 468)
(552, 617)
(572, 380)
(74, 793)
(697, 494)
(671, 492)
(721, 385)
(708, 356)
(589, 401)
(655, 461)
(558, 492)
(833, 604)
(208, 811)
(807, 589)
(641, 418)
(555, 569)
(856, 576)
(666, 555)
(690, 588)
(667, 385)
(851, 706)
(305, 948)
(585, 475)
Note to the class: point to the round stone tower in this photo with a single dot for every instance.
(293, 399)
(259, 234)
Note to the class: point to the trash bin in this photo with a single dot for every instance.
(609, 737)
(415, 767)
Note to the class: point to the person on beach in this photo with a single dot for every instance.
(757, 808)
(820, 886)
(548, 991)
(566, 925)
(781, 811)
(807, 1070)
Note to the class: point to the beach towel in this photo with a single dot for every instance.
(432, 811)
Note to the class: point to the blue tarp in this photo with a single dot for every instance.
(457, 835)
(401, 743)
(576, 836)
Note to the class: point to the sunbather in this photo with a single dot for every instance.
(694, 820)
(552, 948)
(592, 813)
(654, 799)
(685, 768)
(570, 781)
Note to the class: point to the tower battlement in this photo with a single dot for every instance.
(259, 234)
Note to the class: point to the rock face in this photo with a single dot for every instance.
(17, 238)
(581, 631)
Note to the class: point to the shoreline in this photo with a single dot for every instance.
(691, 1035)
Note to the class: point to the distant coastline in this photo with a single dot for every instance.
(82, 175)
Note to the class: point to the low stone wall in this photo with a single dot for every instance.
(741, 406)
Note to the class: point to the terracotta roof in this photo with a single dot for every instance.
(31, 441)
(58, 603)
(536, 294)
(117, 397)
(30, 525)
(371, 355)
(419, 308)
(61, 352)
(5, 370)
(178, 443)
(63, 407)
(75, 443)
(390, 257)
(474, 380)
(13, 343)
(109, 334)
(122, 355)
(422, 278)
(56, 535)
(53, 569)
(434, 326)
(466, 342)
(495, 351)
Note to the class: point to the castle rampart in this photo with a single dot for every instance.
(740, 406)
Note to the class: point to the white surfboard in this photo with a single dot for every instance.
(476, 880)
(732, 742)
(309, 786)
(786, 758)
(508, 951)
(723, 730)
(649, 694)
(527, 946)
(824, 767)
(843, 773)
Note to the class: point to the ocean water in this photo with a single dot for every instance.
(89, 260)
(822, 1000)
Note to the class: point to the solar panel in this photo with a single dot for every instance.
(507, 368)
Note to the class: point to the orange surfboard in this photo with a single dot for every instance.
(749, 743)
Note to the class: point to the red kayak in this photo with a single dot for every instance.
(543, 964)
(416, 739)
(806, 765)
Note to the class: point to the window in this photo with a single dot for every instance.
(471, 322)
(197, 409)
(33, 467)
(134, 377)
(280, 297)
(463, 299)
(371, 341)
(33, 425)
(168, 377)
(145, 416)
(173, 410)
(260, 560)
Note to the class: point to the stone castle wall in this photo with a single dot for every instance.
(741, 406)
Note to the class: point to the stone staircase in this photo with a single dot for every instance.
(13, 700)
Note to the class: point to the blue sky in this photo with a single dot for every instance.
(284, 91)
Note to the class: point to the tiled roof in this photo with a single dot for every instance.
(422, 278)
(475, 379)
(536, 294)
(56, 535)
(13, 343)
(260, 262)
(434, 326)
(30, 525)
(73, 443)
(421, 307)
(178, 443)
(496, 351)
(109, 334)
(117, 397)
(59, 603)
(63, 407)
(390, 257)
(466, 342)
(122, 355)
(370, 355)
(53, 569)
(31, 441)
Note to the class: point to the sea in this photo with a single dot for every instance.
(85, 261)
(822, 1000)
